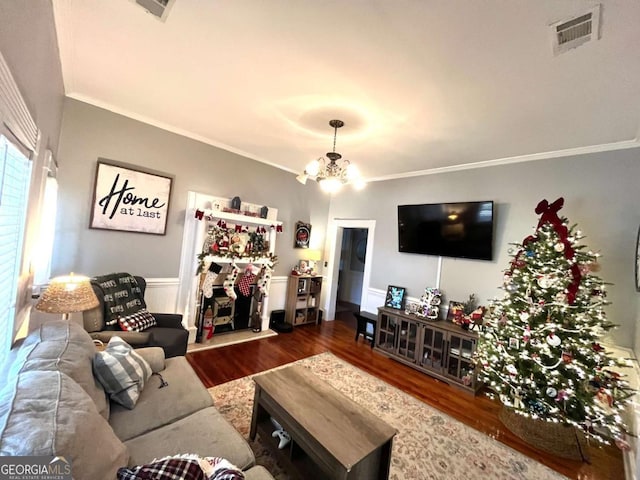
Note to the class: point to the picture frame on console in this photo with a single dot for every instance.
(455, 308)
(395, 297)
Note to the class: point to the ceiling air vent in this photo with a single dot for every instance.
(569, 34)
(157, 8)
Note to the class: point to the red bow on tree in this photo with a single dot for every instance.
(549, 214)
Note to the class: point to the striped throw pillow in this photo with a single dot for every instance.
(121, 371)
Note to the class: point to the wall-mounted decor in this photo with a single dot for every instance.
(130, 199)
(302, 235)
(395, 297)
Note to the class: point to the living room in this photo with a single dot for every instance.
(596, 178)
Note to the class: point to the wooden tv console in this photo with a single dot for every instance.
(439, 348)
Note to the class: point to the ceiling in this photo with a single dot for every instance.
(423, 86)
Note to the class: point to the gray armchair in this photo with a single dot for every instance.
(168, 333)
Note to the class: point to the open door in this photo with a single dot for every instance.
(335, 236)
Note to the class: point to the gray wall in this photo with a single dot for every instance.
(601, 196)
(89, 132)
(29, 46)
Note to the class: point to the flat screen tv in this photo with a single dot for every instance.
(462, 230)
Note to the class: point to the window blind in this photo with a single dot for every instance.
(15, 174)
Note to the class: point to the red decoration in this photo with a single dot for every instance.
(199, 214)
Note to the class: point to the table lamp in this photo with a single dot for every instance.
(313, 256)
(68, 294)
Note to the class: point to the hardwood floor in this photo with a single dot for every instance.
(224, 364)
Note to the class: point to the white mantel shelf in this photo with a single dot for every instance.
(219, 259)
(237, 218)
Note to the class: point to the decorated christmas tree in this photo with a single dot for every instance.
(539, 350)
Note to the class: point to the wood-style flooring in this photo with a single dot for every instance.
(224, 364)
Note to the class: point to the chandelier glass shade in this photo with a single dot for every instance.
(330, 174)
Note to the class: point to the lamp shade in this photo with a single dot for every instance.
(314, 255)
(68, 294)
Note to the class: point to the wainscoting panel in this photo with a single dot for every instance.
(161, 295)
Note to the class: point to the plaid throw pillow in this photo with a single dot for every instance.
(183, 467)
(121, 371)
(137, 322)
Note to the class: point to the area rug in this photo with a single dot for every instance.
(429, 444)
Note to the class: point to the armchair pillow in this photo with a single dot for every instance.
(122, 372)
(138, 321)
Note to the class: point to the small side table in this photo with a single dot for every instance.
(364, 319)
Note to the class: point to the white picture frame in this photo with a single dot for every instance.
(130, 199)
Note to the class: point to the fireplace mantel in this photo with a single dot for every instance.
(195, 231)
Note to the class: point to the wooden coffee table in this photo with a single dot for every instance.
(331, 436)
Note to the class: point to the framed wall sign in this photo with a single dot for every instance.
(130, 199)
(302, 235)
(395, 297)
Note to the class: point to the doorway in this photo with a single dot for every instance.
(355, 239)
(350, 272)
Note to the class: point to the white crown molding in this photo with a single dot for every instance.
(173, 129)
(605, 147)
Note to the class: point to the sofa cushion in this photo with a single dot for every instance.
(205, 433)
(156, 407)
(67, 347)
(47, 413)
(154, 357)
(257, 472)
(122, 372)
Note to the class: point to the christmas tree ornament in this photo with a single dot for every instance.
(553, 340)
(551, 392)
(567, 356)
(559, 247)
(526, 336)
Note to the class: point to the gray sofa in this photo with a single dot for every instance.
(51, 404)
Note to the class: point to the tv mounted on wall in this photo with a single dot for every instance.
(462, 230)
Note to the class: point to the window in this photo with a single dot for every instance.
(15, 175)
(19, 140)
(41, 264)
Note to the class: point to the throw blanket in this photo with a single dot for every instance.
(122, 295)
(183, 467)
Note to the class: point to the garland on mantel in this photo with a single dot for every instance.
(239, 227)
(236, 243)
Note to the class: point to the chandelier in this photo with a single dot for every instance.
(330, 174)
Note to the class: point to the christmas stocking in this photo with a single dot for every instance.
(265, 280)
(230, 282)
(210, 277)
(249, 276)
